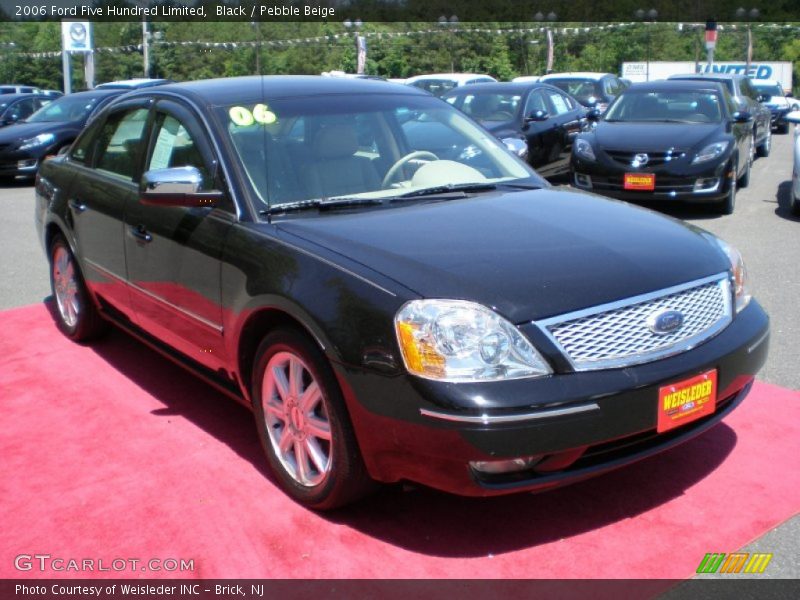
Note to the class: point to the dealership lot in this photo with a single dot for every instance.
(761, 227)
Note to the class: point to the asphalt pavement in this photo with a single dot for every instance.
(762, 228)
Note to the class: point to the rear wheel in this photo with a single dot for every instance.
(744, 179)
(304, 425)
(765, 146)
(727, 205)
(795, 205)
(76, 314)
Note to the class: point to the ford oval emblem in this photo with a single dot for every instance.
(665, 321)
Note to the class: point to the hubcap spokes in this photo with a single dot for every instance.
(297, 419)
(65, 287)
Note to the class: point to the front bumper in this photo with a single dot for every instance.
(688, 183)
(22, 162)
(401, 441)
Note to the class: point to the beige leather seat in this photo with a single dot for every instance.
(334, 169)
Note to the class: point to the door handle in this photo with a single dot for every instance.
(77, 206)
(140, 233)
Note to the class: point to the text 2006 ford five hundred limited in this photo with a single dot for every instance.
(396, 296)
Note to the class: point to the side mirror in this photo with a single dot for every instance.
(178, 186)
(593, 114)
(537, 115)
(742, 116)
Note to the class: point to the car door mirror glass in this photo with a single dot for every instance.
(176, 186)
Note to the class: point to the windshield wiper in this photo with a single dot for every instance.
(445, 189)
(319, 203)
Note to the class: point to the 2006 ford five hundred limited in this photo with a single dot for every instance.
(394, 293)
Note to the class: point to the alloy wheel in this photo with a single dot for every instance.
(297, 420)
(65, 286)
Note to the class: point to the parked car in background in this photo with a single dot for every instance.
(771, 95)
(52, 128)
(593, 90)
(352, 75)
(526, 79)
(132, 84)
(440, 83)
(52, 94)
(547, 118)
(794, 117)
(668, 140)
(746, 98)
(390, 314)
(18, 107)
(12, 88)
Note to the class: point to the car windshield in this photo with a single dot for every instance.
(368, 147)
(768, 89)
(487, 106)
(66, 108)
(669, 105)
(437, 87)
(584, 90)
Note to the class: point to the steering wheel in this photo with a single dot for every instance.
(395, 168)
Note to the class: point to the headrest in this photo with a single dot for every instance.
(335, 141)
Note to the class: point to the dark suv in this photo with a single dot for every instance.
(746, 97)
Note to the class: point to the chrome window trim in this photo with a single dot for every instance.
(486, 419)
(722, 279)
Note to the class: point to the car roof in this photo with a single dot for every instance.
(102, 93)
(254, 88)
(665, 85)
(451, 76)
(576, 75)
(708, 76)
(139, 82)
(499, 87)
(6, 98)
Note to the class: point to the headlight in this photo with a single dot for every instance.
(584, 149)
(710, 152)
(741, 285)
(39, 140)
(460, 341)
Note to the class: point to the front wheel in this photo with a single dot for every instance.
(304, 425)
(795, 205)
(76, 315)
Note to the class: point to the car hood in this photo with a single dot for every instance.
(528, 255)
(23, 131)
(649, 137)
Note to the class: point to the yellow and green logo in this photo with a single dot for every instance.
(737, 562)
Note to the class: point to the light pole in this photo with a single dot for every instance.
(651, 15)
(450, 25)
(551, 17)
(361, 46)
(750, 15)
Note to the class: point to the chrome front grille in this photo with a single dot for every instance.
(618, 335)
(654, 159)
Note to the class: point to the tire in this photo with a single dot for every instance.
(783, 128)
(744, 180)
(76, 314)
(765, 147)
(311, 448)
(727, 205)
(795, 207)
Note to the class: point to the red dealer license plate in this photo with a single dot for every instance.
(640, 181)
(687, 400)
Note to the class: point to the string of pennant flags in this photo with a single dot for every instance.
(565, 31)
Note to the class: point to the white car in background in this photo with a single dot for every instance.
(794, 117)
(526, 79)
(440, 83)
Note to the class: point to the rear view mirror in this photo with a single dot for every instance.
(178, 186)
(537, 115)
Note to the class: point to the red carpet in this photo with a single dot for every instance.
(110, 452)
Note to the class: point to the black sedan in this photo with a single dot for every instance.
(541, 115)
(387, 313)
(668, 140)
(50, 129)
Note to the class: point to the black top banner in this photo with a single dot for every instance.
(445, 12)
